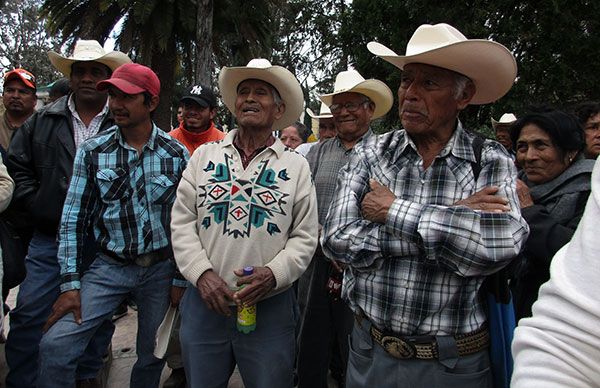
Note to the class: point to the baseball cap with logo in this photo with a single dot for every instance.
(22, 75)
(132, 78)
(201, 95)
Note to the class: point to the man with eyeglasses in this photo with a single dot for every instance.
(327, 320)
(589, 117)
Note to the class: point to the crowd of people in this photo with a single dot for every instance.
(363, 256)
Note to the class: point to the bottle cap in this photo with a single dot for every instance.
(248, 271)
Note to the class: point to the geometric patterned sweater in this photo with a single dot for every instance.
(226, 217)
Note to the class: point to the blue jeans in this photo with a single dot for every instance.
(37, 294)
(211, 344)
(103, 288)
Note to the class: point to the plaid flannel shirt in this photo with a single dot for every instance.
(126, 196)
(420, 272)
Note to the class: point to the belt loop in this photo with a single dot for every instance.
(447, 350)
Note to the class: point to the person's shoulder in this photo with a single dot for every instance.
(99, 140)
(376, 145)
(171, 144)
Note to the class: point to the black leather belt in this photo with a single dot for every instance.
(426, 347)
(145, 259)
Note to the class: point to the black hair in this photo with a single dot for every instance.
(564, 129)
(147, 98)
(60, 88)
(585, 110)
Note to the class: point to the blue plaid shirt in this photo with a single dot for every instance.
(420, 273)
(126, 196)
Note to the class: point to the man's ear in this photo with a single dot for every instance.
(280, 111)
(466, 96)
(154, 100)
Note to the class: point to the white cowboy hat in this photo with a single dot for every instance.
(490, 65)
(87, 50)
(261, 69)
(324, 112)
(506, 120)
(350, 81)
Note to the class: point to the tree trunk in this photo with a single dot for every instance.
(163, 63)
(204, 27)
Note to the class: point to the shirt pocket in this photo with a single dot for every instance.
(162, 189)
(113, 184)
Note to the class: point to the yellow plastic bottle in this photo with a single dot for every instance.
(246, 315)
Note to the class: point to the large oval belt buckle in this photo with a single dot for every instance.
(398, 348)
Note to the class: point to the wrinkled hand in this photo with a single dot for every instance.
(256, 286)
(215, 292)
(486, 200)
(67, 302)
(377, 202)
(176, 295)
(524, 195)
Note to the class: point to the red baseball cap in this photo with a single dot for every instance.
(132, 78)
(22, 75)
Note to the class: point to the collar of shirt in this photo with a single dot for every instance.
(150, 144)
(73, 109)
(459, 145)
(278, 147)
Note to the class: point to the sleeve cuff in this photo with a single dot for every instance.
(180, 283)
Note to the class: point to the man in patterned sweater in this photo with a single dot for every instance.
(245, 201)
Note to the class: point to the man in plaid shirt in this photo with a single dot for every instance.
(124, 183)
(419, 233)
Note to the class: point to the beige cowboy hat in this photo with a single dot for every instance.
(87, 50)
(507, 119)
(261, 69)
(324, 112)
(350, 81)
(490, 65)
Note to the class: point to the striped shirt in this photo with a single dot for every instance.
(420, 272)
(126, 196)
(82, 132)
(326, 159)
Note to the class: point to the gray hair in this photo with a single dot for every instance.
(276, 96)
(460, 84)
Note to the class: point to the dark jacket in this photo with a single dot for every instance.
(557, 210)
(40, 160)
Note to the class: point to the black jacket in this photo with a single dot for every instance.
(40, 160)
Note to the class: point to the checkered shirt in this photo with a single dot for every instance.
(420, 272)
(82, 132)
(126, 196)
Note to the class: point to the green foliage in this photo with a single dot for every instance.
(24, 41)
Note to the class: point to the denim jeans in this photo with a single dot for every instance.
(211, 344)
(103, 288)
(37, 294)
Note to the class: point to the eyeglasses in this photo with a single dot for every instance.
(350, 106)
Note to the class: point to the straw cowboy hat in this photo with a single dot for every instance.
(506, 120)
(261, 69)
(351, 81)
(84, 51)
(324, 112)
(490, 65)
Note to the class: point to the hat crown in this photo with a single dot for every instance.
(430, 37)
(87, 49)
(259, 63)
(507, 118)
(346, 80)
(324, 110)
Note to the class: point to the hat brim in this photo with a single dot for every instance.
(490, 65)
(286, 84)
(377, 91)
(112, 59)
(121, 84)
(313, 115)
(203, 103)
(19, 77)
(499, 124)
